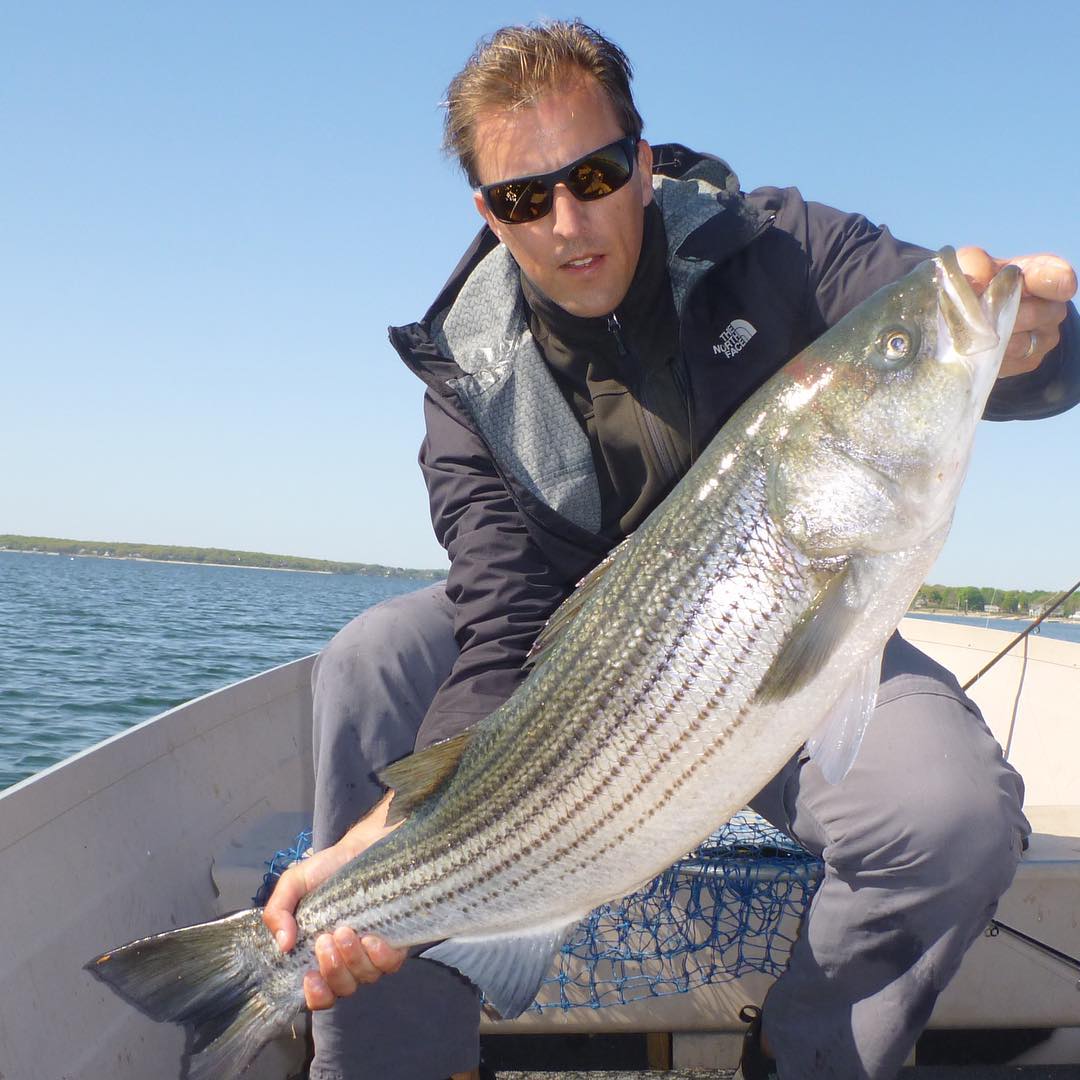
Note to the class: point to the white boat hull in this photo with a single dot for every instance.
(169, 823)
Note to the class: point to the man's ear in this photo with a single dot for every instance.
(492, 221)
(644, 162)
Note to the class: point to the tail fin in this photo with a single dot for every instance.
(213, 977)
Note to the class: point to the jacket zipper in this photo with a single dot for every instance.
(663, 455)
(678, 370)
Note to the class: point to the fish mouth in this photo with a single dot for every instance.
(976, 323)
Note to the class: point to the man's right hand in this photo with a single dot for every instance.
(345, 959)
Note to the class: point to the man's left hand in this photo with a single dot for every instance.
(1049, 283)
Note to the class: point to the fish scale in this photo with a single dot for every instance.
(744, 618)
(645, 705)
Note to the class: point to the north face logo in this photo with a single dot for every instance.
(734, 338)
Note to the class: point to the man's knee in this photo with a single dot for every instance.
(374, 681)
(409, 636)
(948, 807)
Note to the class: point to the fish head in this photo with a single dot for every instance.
(877, 417)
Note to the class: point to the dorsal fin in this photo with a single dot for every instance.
(418, 776)
(565, 613)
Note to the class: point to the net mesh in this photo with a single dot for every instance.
(730, 907)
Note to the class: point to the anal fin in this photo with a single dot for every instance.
(507, 968)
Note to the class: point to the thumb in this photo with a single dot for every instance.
(978, 266)
(278, 916)
(1048, 277)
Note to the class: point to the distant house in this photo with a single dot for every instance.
(1075, 615)
(991, 609)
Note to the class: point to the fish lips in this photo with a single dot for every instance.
(976, 325)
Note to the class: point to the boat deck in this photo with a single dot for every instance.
(933, 1072)
(169, 824)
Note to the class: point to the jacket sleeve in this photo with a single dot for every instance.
(502, 587)
(849, 258)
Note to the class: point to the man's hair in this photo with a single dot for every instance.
(515, 65)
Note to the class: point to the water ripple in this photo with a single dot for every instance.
(89, 647)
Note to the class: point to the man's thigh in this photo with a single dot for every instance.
(371, 687)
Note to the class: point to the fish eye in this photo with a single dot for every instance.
(896, 345)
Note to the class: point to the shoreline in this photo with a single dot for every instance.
(192, 562)
(938, 613)
(195, 555)
(163, 562)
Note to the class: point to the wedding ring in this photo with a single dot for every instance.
(1033, 340)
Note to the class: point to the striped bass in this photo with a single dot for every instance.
(745, 617)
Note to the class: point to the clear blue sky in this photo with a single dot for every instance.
(209, 214)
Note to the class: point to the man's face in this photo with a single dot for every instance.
(582, 254)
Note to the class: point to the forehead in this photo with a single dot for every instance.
(558, 127)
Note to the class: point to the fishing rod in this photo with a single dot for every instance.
(997, 926)
(1020, 637)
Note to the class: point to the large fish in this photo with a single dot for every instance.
(745, 617)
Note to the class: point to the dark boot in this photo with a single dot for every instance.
(754, 1064)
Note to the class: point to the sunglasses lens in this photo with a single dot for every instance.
(601, 174)
(519, 200)
(593, 177)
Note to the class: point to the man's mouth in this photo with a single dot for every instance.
(586, 262)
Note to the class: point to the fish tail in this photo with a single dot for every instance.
(215, 978)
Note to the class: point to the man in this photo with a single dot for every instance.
(597, 333)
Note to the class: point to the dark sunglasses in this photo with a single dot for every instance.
(594, 176)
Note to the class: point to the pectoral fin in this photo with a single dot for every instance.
(507, 968)
(815, 637)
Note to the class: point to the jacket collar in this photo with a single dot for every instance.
(475, 340)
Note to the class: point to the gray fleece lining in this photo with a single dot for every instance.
(508, 388)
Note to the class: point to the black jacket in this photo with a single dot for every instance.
(513, 492)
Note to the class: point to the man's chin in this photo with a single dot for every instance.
(590, 307)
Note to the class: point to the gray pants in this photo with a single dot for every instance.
(919, 841)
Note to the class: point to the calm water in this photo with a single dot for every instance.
(89, 647)
(1063, 631)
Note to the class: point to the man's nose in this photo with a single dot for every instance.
(568, 213)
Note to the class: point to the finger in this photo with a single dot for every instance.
(1046, 276)
(1026, 352)
(355, 955)
(332, 967)
(977, 266)
(1035, 333)
(1039, 315)
(278, 913)
(317, 995)
(384, 957)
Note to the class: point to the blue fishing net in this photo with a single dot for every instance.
(730, 907)
(279, 862)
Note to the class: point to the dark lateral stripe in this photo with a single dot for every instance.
(492, 814)
(496, 824)
(556, 859)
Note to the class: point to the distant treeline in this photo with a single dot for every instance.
(223, 556)
(973, 598)
(960, 598)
